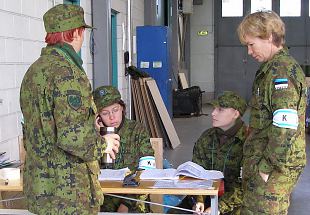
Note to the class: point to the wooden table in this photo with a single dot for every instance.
(145, 187)
(13, 185)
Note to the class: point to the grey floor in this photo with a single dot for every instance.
(189, 130)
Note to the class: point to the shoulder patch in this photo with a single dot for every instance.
(285, 118)
(74, 101)
(280, 83)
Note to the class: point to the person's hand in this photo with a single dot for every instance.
(264, 176)
(199, 207)
(208, 211)
(112, 141)
(98, 122)
(122, 209)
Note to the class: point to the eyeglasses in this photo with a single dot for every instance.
(112, 112)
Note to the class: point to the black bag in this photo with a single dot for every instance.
(187, 101)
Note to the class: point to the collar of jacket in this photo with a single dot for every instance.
(233, 131)
(266, 65)
(67, 51)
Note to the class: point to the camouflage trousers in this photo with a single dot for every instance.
(64, 208)
(111, 204)
(271, 197)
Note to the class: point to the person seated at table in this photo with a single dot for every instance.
(220, 148)
(134, 144)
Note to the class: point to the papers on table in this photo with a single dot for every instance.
(6, 162)
(189, 169)
(113, 174)
(194, 170)
(188, 184)
(151, 174)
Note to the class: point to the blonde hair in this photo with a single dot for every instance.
(262, 24)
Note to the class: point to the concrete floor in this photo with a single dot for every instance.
(189, 130)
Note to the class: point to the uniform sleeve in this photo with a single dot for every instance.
(284, 97)
(74, 117)
(145, 145)
(200, 151)
(200, 157)
(140, 206)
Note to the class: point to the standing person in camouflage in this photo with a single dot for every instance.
(274, 153)
(134, 143)
(220, 148)
(62, 146)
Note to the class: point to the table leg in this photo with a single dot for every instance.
(214, 205)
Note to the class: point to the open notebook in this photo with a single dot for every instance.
(113, 174)
(189, 169)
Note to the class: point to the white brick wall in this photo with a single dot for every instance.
(21, 39)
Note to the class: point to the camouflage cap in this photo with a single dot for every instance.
(64, 17)
(105, 96)
(229, 99)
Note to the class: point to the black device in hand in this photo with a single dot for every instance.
(130, 180)
(106, 162)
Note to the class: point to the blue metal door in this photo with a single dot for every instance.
(153, 58)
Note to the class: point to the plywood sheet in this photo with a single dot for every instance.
(183, 81)
(163, 113)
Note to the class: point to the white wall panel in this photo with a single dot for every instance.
(86, 6)
(19, 74)
(13, 51)
(119, 5)
(29, 7)
(2, 5)
(32, 50)
(13, 100)
(42, 7)
(2, 48)
(8, 126)
(13, 5)
(4, 106)
(6, 22)
(7, 74)
(36, 28)
(21, 27)
(88, 67)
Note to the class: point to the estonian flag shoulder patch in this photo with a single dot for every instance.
(280, 83)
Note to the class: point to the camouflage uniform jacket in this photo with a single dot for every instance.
(277, 141)
(277, 120)
(134, 144)
(219, 150)
(60, 174)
